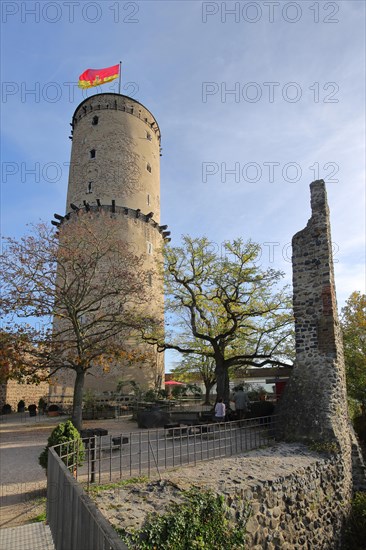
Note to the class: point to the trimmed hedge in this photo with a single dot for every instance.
(64, 433)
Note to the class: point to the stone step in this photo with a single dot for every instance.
(34, 536)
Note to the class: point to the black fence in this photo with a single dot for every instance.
(74, 520)
(149, 452)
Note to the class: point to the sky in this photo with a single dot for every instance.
(254, 99)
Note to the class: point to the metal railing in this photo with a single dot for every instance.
(145, 453)
(23, 417)
(74, 520)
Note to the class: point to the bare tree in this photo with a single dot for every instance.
(85, 287)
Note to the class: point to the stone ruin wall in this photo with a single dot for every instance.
(293, 496)
(314, 405)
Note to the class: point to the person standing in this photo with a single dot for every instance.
(220, 410)
(241, 401)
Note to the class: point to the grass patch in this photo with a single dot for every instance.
(95, 489)
(324, 447)
(41, 517)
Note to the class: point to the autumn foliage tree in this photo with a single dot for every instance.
(353, 323)
(222, 305)
(82, 291)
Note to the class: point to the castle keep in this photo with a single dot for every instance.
(115, 169)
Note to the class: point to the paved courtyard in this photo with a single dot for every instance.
(23, 480)
(35, 536)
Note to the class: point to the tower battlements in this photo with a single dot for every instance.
(117, 102)
(115, 155)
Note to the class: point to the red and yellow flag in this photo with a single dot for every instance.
(96, 77)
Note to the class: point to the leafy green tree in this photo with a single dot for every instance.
(353, 323)
(224, 306)
(194, 368)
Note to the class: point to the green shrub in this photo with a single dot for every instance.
(354, 407)
(63, 433)
(355, 532)
(201, 522)
(151, 395)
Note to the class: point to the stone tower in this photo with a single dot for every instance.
(115, 167)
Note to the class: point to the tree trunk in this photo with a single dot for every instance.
(222, 381)
(77, 405)
(208, 388)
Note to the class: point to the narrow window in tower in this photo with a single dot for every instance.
(149, 279)
(90, 187)
(148, 199)
(149, 248)
(148, 136)
(92, 154)
(95, 120)
(148, 168)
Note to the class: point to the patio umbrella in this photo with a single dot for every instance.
(174, 383)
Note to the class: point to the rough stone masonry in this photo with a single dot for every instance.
(314, 406)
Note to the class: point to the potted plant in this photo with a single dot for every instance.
(32, 409)
(53, 410)
(21, 406)
(62, 435)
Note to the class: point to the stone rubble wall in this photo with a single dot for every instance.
(314, 403)
(298, 498)
(304, 510)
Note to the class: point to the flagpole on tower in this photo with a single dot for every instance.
(120, 73)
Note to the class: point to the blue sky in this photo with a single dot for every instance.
(296, 71)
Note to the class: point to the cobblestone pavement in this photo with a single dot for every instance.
(34, 536)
